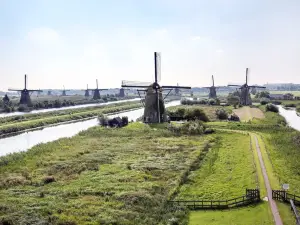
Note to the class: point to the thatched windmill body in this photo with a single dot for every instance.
(245, 98)
(213, 89)
(122, 92)
(25, 93)
(87, 91)
(154, 111)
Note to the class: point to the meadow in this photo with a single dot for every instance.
(100, 176)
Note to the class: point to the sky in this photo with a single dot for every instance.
(73, 42)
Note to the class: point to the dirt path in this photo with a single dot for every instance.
(276, 216)
(246, 113)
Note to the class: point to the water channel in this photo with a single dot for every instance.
(63, 108)
(291, 117)
(27, 140)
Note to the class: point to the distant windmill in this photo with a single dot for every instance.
(245, 98)
(96, 92)
(49, 93)
(122, 92)
(212, 89)
(154, 111)
(87, 91)
(64, 92)
(25, 93)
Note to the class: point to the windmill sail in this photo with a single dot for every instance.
(157, 63)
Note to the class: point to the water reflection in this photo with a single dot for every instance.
(291, 117)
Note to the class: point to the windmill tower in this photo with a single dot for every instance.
(212, 89)
(25, 93)
(154, 111)
(64, 92)
(49, 93)
(245, 98)
(122, 92)
(96, 92)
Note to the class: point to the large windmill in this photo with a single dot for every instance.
(25, 93)
(212, 89)
(245, 98)
(154, 111)
(96, 92)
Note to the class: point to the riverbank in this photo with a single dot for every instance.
(41, 120)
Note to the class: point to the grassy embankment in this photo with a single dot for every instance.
(280, 148)
(102, 176)
(228, 169)
(20, 123)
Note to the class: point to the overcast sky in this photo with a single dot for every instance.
(73, 42)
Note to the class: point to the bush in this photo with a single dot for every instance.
(191, 128)
(22, 108)
(103, 120)
(292, 105)
(195, 114)
(264, 101)
(222, 114)
(125, 120)
(212, 102)
(233, 100)
(272, 108)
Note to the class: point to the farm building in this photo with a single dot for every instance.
(287, 96)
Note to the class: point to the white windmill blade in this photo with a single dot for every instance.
(157, 56)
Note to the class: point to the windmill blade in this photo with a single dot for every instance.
(157, 64)
(179, 87)
(14, 89)
(213, 81)
(256, 86)
(140, 84)
(247, 70)
(233, 85)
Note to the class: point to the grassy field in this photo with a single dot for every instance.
(295, 93)
(253, 215)
(101, 176)
(226, 172)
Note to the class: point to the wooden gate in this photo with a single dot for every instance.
(253, 194)
(279, 195)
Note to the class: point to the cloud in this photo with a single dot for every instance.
(43, 34)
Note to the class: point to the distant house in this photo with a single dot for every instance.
(276, 96)
(287, 96)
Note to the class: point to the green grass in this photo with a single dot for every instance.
(295, 93)
(227, 170)
(256, 215)
(102, 176)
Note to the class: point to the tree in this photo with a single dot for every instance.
(262, 94)
(233, 100)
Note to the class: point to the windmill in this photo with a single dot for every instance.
(87, 91)
(96, 92)
(245, 98)
(49, 93)
(25, 93)
(212, 89)
(154, 111)
(122, 92)
(64, 92)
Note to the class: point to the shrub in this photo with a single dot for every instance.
(22, 108)
(103, 120)
(125, 120)
(222, 114)
(292, 105)
(233, 100)
(212, 102)
(195, 113)
(272, 108)
(264, 101)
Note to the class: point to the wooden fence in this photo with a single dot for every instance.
(294, 200)
(252, 196)
(284, 196)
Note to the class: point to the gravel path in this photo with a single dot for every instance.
(276, 216)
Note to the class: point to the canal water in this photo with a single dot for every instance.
(63, 108)
(27, 140)
(291, 117)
